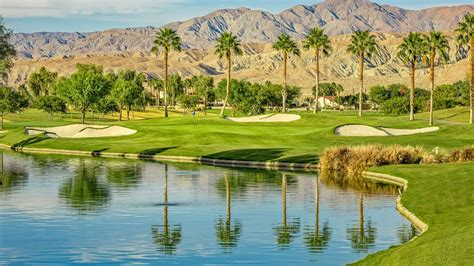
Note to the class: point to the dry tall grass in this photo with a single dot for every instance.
(345, 164)
(462, 155)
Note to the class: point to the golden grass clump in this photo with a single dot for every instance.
(344, 164)
(463, 155)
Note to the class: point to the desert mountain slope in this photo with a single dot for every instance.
(337, 17)
(260, 63)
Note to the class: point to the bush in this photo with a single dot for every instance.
(188, 102)
(51, 104)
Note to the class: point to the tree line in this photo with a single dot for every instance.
(89, 82)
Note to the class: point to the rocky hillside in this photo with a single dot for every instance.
(260, 62)
(337, 17)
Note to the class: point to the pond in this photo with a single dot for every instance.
(89, 210)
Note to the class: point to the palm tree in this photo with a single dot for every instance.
(317, 240)
(227, 44)
(466, 38)
(319, 41)
(411, 52)
(364, 46)
(167, 239)
(436, 44)
(169, 40)
(287, 46)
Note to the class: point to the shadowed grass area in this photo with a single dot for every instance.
(442, 196)
(212, 136)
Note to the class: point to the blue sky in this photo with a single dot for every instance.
(93, 15)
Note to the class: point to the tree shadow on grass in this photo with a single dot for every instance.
(304, 158)
(249, 154)
(147, 154)
(29, 141)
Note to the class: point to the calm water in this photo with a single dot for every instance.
(82, 210)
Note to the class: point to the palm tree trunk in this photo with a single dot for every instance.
(205, 105)
(316, 96)
(120, 113)
(432, 69)
(361, 82)
(412, 91)
(166, 84)
(283, 93)
(1, 123)
(227, 92)
(472, 82)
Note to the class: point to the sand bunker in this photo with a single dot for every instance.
(81, 131)
(368, 131)
(266, 118)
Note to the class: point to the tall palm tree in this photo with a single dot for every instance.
(227, 44)
(411, 52)
(287, 46)
(169, 40)
(319, 41)
(466, 38)
(363, 45)
(436, 45)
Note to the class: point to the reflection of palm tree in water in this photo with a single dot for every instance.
(287, 231)
(168, 238)
(363, 236)
(228, 235)
(317, 240)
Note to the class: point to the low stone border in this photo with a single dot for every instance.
(419, 224)
(269, 165)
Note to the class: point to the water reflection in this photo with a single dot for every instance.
(230, 216)
(228, 233)
(288, 229)
(84, 192)
(12, 175)
(363, 235)
(125, 175)
(406, 232)
(317, 240)
(166, 237)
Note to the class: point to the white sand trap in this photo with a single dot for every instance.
(272, 118)
(368, 131)
(81, 131)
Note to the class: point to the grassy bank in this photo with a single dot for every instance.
(441, 196)
(213, 137)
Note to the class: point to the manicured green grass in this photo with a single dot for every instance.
(212, 136)
(442, 196)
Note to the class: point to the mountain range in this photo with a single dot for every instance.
(336, 17)
(116, 49)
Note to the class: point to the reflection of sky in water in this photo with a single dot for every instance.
(36, 225)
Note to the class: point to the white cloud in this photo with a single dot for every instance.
(63, 8)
